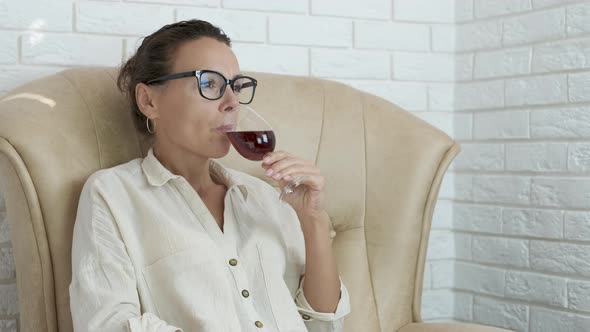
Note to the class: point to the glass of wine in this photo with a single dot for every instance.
(253, 138)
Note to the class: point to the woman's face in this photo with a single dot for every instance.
(185, 119)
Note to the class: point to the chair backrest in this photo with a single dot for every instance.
(383, 165)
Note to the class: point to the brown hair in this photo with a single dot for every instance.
(153, 58)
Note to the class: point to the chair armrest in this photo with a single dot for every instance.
(449, 327)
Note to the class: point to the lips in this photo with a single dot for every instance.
(226, 128)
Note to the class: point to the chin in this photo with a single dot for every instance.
(219, 155)
(221, 151)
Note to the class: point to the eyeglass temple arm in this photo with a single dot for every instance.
(173, 76)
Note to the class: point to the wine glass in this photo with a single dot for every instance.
(253, 138)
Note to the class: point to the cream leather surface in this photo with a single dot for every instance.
(384, 167)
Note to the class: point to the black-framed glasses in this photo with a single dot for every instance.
(212, 84)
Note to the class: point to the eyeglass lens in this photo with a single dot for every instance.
(213, 86)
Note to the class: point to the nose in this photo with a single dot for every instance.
(230, 109)
(230, 100)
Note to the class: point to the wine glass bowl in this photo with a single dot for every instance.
(251, 135)
(253, 138)
(252, 145)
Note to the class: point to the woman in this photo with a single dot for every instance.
(177, 242)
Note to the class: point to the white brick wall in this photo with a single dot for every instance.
(295, 6)
(533, 223)
(501, 125)
(477, 218)
(521, 187)
(432, 11)
(509, 79)
(544, 320)
(579, 87)
(564, 258)
(479, 95)
(527, 28)
(318, 31)
(480, 157)
(291, 60)
(536, 90)
(577, 225)
(113, 18)
(438, 304)
(507, 189)
(569, 54)
(242, 26)
(70, 50)
(8, 300)
(472, 36)
(536, 157)
(577, 19)
(375, 9)
(488, 8)
(561, 122)
(507, 315)
(480, 279)
(502, 251)
(43, 15)
(579, 157)
(526, 286)
(579, 295)
(394, 36)
(431, 67)
(504, 62)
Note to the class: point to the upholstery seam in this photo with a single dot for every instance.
(323, 121)
(365, 213)
(91, 117)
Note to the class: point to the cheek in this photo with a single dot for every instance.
(190, 117)
(184, 113)
(193, 122)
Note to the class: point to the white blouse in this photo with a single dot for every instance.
(148, 256)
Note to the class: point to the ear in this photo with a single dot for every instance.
(146, 98)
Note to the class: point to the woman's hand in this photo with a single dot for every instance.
(322, 283)
(308, 199)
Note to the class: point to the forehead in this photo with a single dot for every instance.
(206, 53)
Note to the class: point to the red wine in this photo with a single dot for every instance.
(252, 145)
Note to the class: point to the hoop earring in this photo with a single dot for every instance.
(147, 124)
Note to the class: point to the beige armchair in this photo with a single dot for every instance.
(383, 165)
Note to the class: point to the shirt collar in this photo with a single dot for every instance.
(158, 175)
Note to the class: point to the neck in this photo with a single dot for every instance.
(194, 168)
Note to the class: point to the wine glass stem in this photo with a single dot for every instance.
(290, 187)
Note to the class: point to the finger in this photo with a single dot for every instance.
(275, 156)
(272, 157)
(287, 165)
(279, 166)
(295, 169)
(313, 181)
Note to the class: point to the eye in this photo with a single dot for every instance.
(209, 84)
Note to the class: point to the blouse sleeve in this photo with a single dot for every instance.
(103, 292)
(314, 321)
(321, 321)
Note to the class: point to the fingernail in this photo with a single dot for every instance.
(268, 172)
(266, 160)
(287, 177)
(277, 176)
